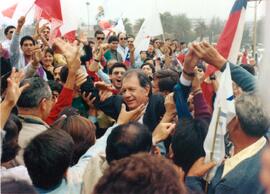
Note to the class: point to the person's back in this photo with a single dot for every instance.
(34, 106)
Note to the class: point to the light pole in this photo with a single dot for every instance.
(88, 17)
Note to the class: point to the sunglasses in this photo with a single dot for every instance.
(11, 32)
(100, 38)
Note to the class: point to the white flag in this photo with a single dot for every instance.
(151, 27)
(264, 69)
(224, 111)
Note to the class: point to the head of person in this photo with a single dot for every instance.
(148, 69)
(14, 185)
(130, 40)
(56, 72)
(82, 131)
(122, 38)
(46, 33)
(251, 120)
(113, 41)
(10, 145)
(164, 81)
(150, 49)
(27, 44)
(187, 142)
(36, 99)
(128, 139)
(143, 55)
(136, 88)
(156, 43)
(149, 60)
(99, 36)
(47, 59)
(47, 158)
(183, 45)
(9, 30)
(116, 73)
(56, 89)
(141, 173)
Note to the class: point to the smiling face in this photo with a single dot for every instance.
(47, 60)
(116, 77)
(133, 93)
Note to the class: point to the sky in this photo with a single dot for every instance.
(135, 9)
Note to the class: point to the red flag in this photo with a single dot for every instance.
(51, 7)
(229, 41)
(10, 11)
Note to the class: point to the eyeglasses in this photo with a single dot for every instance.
(100, 38)
(11, 32)
(123, 38)
(130, 41)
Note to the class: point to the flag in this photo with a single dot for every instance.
(264, 69)
(224, 111)
(230, 39)
(51, 7)
(151, 27)
(10, 11)
(119, 26)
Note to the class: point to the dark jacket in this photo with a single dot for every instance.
(152, 116)
(243, 179)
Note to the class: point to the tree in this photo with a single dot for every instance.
(128, 26)
(137, 25)
(200, 29)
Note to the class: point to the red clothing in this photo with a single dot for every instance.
(208, 93)
(64, 100)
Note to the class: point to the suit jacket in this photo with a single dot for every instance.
(243, 179)
(153, 113)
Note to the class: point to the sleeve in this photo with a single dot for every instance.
(201, 108)
(103, 76)
(15, 51)
(194, 184)
(98, 147)
(111, 106)
(64, 100)
(242, 78)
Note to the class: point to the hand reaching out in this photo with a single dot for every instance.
(162, 132)
(133, 115)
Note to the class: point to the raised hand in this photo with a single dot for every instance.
(20, 24)
(191, 60)
(209, 54)
(162, 132)
(133, 115)
(37, 55)
(198, 79)
(14, 89)
(71, 52)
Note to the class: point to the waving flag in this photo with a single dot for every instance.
(224, 111)
(51, 7)
(10, 11)
(230, 39)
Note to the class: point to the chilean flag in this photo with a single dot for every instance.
(230, 40)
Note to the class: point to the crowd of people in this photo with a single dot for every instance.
(94, 117)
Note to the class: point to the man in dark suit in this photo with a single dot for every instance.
(136, 91)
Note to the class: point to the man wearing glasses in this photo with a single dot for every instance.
(100, 37)
(8, 33)
(122, 46)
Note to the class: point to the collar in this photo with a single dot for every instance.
(231, 163)
(41, 191)
(32, 119)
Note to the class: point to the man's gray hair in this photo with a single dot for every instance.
(252, 116)
(32, 96)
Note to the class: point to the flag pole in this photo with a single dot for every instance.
(29, 10)
(213, 147)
